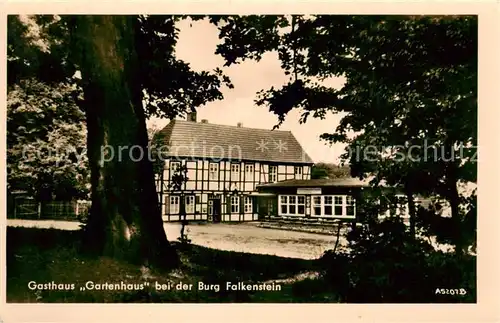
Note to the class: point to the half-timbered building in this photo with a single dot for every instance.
(224, 164)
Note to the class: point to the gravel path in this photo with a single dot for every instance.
(246, 237)
(243, 237)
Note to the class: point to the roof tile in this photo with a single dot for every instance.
(213, 141)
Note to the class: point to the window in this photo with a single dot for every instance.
(174, 204)
(174, 166)
(350, 206)
(213, 170)
(292, 201)
(292, 204)
(333, 205)
(339, 205)
(284, 204)
(327, 207)
(273, 174)
(235, 172)
(316, 204)
(189, 204)
(235, 204)
(298, 172)
(397, 206)
(301, 204)
(248, 204)
(249, 172)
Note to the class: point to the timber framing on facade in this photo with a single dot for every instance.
(244, 174)
(225, 164)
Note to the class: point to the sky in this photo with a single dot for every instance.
(196, 45)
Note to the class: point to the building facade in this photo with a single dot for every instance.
(234, 173)
(223, 166)
(329, 199)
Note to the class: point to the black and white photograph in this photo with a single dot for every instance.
(242, 158)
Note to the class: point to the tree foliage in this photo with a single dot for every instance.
(46, 136)
(410, 91)
(386, 265)
(128, 71)
(47, 48)
(327, 170)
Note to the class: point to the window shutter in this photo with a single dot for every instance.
(242, 204)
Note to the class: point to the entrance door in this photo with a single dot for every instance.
(214, 209)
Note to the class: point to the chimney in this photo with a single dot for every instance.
(191, 116)
(204, 121)
(239, 124)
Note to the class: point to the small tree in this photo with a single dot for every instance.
(46, 137)
(178, 179)
(326, 170)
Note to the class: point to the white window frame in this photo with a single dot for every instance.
(303, 204)
(314, 204)
(189, 204)
(174, 207)
(297, 171)
(213, 171)
(291, 204)
(235, 204)
(350, 201)
(398, 207)
(339, 201)
(273, 173)
(332, 201)
(248, 204)
(328, 201)
(235, 172)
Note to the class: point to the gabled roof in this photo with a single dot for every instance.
(334, 182)
(213, 141)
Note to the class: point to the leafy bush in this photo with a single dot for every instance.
(385, 264)
(446, 229)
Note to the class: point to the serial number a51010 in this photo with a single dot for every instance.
(451, 291)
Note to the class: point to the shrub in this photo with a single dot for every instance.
(385, 264)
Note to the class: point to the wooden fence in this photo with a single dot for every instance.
(24, 208)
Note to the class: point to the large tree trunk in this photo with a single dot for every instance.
(125, 218)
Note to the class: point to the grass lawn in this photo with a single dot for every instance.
(50, 255)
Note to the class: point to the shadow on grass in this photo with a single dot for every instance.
(43, 256)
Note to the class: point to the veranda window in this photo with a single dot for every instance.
(333, 206)
(292, 204)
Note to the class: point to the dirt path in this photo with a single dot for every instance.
(249, 238)
(243, 237)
